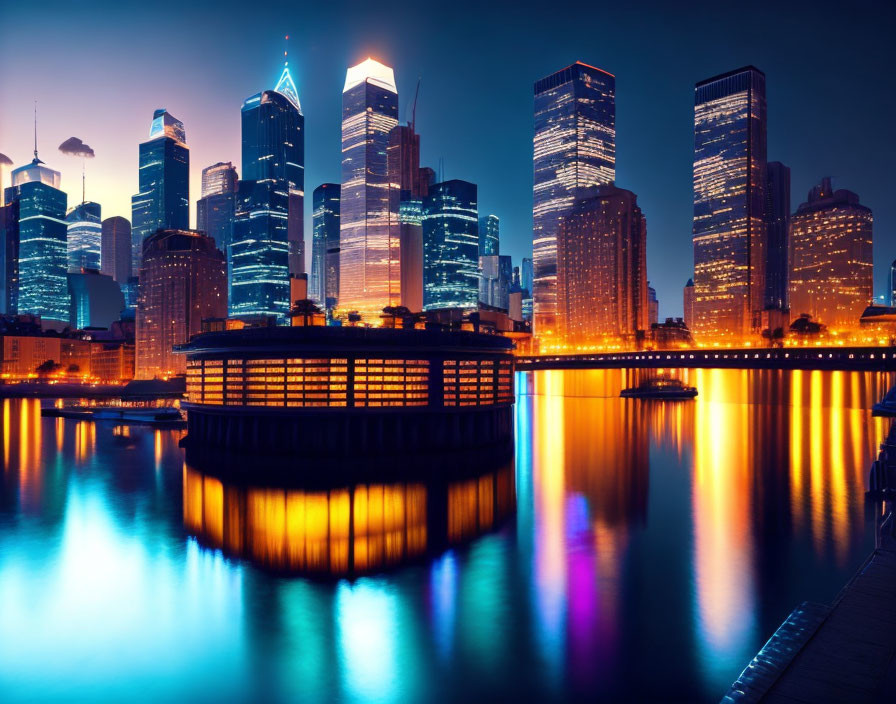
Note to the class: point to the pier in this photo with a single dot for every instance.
(832, 358)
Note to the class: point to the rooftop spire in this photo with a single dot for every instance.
(285, 86)
(35, 131)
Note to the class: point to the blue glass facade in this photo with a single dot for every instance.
(324, 284)
(451, 246)
(489, 236)
(267, 244)
(96, 301)
(163, 200)
(574, 147)
(215, 210)
(38, 225)
(729, 204)
(85, 236)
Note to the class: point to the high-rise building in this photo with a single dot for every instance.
(214, 211)
(891, 284)
(9, 257)
(37, 253)
(183, 279)
(369, 276)
(95, 300)
(689, 303)
(268, 245)
(451, 246)
(115, 249)
(489, 236)
(84, 236)
(408, 185)
(832, 266)
(163, 201)
(324, 286)
(777, 241)
(602, 292)
(495, 279)
(574, 147)
(729, 204)
(527, 284)
(653, 306)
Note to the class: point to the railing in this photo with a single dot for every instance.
(846, 358)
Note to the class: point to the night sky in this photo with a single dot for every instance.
(98, 69)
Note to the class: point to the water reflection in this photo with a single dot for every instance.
(344, 530)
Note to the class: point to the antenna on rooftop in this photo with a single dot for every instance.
(35, 129)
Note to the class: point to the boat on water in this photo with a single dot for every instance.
(121, 414)
(662, 388)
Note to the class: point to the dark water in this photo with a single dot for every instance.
(644, 552)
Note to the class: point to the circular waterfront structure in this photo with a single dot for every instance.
(331, 391)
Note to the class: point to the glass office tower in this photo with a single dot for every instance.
(451, 246)
(215, 210)
(85, 236)
(115, 249)
(267, 244)
(324, 286)
(574, 147)
(729, 204)
(489, 236)
(369, 276)
(777, 240)
(163, 200)
(36, 225)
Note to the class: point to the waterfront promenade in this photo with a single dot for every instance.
(829, 358)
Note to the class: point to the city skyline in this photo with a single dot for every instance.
(490, 120)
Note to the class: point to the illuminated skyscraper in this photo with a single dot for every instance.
(653, 306)
(495, 278)
(729, 204)
(163, 200)
(36, 233)
(324, 286)
(267, 243)
(489, 236)
(369, 276)
(777, 253)
(689, 303)
(408, 185)
(183, 280)
(451, 246)
(602, 294)
(891, 284)
(527, 284)
(574, 147)
(215, 210)
(831, 278)
(9, 257)
(84, 236)
(115, 250)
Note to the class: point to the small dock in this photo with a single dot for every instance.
(842, 652)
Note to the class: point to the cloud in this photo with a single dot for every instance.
(75, 147)
(5, 160)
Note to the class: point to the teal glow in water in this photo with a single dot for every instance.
(653, 549)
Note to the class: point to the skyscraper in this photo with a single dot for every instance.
(689, 303)
(451, 246)
(324, 286)
(729, 204)
(9, 257)
(891, 284)
(602, 292)
(215, 210)
(36, 238)
(489, 236)
(163, 200)
(574, 147)
(777, 223)
(408, 185)
(527, 277)
(495, 279)
(267, 243)
(832, 265)
(369, 276)
(84, 236)
(115, 249)
(95, 300)
(183, 280)
(653, 306)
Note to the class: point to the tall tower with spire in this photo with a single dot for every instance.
(36, 254)
(163, 201)
(370, 271)
(268, 232)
